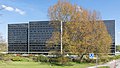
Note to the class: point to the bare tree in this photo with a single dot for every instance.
(3, 45)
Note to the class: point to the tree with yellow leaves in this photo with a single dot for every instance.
(83, 31)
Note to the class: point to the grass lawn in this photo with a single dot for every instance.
(39, 65)
(104, 67)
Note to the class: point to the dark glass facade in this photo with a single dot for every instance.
(32, 37)
(17, 38)
(39, 33)
(110, 25)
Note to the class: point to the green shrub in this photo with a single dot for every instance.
(2, 56)
(109, 58)
(60, 60)
(104, 60)
(35, 59)
(117, 57)
(16, 58)
(85, 59)
(63, 60)
(19, 58)
(26, 59)
(5, 57)
(42, 58)
(53, 59)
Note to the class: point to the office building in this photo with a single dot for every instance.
(39, 33)
(110, 25)
(31, 37)
(17, 38)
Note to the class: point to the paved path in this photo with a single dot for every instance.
(111, 64)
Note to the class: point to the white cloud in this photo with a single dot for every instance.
(8, 8)
(19, 11)
(118, 32)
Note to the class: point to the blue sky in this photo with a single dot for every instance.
(22, 11)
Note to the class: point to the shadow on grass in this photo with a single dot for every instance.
(57, 63)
